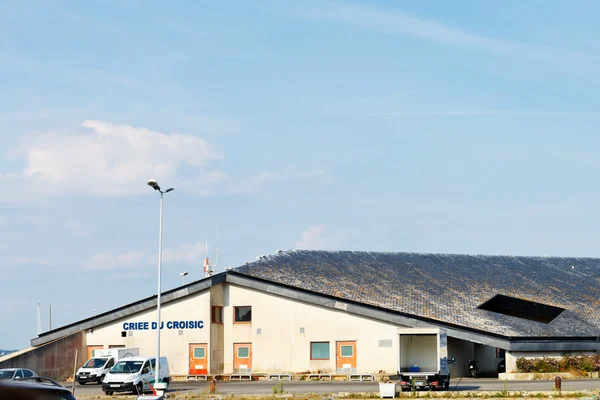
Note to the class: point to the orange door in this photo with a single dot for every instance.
(92, 350)
(198, 359)
(242, 357)
(346, 357)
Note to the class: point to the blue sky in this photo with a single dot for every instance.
(446, 127)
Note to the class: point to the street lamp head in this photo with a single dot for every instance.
(169, 190)
(152, 183)
(183, 273)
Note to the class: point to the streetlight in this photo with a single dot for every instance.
(183, 274)
(152, 183)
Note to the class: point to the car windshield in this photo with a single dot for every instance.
(95, 363)
(6, 374)
(126, 367)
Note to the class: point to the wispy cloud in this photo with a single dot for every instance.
(488, 113)
(32, 261)
(398, 23)
(265, 181)
(106, 261)
(318, 237)
(191, 254)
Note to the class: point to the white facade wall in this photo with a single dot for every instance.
(174, 345)
(287, 327)
(280, 347)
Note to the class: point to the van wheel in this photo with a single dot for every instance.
(139, 388)
(108, 393)
(82, 383)
(100, 380)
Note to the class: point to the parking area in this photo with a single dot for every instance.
(266, 387)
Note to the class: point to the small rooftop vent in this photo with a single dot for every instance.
(520, 308)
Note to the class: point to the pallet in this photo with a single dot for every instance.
(240, 377)
(279, 377)
(361, 377)
(320, 376)
(197, 378)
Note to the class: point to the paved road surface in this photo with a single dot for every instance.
(266, 387)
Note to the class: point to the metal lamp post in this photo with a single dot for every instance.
(183, 274)
(152, 183)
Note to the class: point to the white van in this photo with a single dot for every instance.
(96, 368)
(132, 374)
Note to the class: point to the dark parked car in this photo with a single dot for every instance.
(34, 388)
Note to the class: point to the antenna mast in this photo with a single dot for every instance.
(217, 250)
(49, 317)
(39, 321)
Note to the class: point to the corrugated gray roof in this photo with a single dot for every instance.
(448, 287)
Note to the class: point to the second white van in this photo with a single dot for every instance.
(132, 374)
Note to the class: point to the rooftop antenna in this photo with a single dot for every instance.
(39, 321)
(208, 269)
(49, 317)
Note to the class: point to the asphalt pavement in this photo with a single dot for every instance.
(323, 387)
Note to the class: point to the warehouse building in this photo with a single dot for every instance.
(340, 313)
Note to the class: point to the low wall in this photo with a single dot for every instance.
(531, 376)
(53, 360)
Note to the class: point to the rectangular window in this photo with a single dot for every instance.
(199, 352)
(346, 351)
(243, 314)
(319, 350)
(243, 352)
(217, 315)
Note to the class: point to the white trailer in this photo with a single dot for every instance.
(423, 358)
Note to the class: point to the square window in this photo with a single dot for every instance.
(319, 350)
(243, 314)
(217, 314)
(123, 334)
(346, 351)
(243, 352)
(199, 352)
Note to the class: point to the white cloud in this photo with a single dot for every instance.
(110, 159)
(317, 237)
(117, 160)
